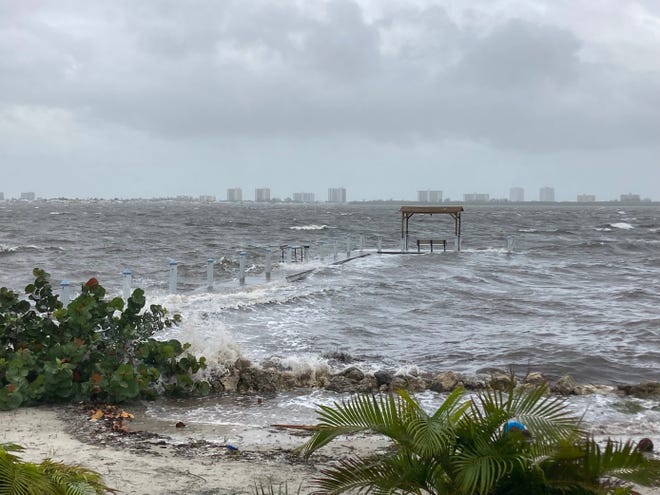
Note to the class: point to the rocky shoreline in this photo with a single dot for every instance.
(273, 376)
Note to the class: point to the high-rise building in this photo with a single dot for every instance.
(262, 194)
(517, 194)
(476, 197)
(303, 197)
(234, 194)
(630, 198)
(27, 196)
(586, 198)
(435, 196)
(429, 196)
(547, 194)
(336, 195)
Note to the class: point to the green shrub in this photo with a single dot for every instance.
(94, 348)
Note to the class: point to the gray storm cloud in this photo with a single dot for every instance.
(89, 90)
(182, 69)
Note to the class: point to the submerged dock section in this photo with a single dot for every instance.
(407, 213)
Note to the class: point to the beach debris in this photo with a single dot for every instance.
(112, 416)
(295, 427)
(98, 414)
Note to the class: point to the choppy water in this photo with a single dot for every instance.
(578, 294)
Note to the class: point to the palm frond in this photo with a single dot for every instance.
(545, 416)
(74, 480)
(400, 473)
(384, 414)
(23, 478)
(585, 463)
(452, 407)
(482, 462)
(433, 436)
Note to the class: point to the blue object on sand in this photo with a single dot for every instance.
(231, 447)
(515, 426)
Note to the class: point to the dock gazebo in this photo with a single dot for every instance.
(407, 213)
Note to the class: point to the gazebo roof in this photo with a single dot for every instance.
(430, 210)
(408, 211)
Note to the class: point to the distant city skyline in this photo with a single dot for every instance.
(342, 195)
(266, 193)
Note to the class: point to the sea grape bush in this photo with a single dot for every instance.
(94, 348)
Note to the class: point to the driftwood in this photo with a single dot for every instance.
(296, 427)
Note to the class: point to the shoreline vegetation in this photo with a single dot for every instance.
(94, 352)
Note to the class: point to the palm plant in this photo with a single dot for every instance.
(18, 477)
(463, 448)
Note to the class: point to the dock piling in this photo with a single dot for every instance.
(510, 244)
(209, 273)
(241, 268)
(173, 276)
(268, 265)
(66, 292)
(126, 283)
(322, 251)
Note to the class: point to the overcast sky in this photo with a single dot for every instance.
(383, 97)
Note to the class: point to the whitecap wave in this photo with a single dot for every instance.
(309, 227)
(621, 225)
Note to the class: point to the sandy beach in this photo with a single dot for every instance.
(146, 463)
(158, 459)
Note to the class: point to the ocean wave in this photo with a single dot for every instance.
(309, 227)
(4, 249)
(621, 225)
